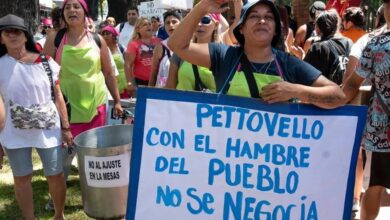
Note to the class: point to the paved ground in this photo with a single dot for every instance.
(384, 213)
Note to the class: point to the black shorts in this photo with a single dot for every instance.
(141, 82)
(377, 170)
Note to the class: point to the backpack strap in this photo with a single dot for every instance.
(250, 78)
(60, 34)
(166, 51)
(49, 73)
(122, 50)
(226, 85)
(96, 38)
(121, 26)
(199, 86)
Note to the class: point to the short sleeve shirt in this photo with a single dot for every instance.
(225, 60)
(322, 57)
(26, 91)
(375, 65)
(143, 57)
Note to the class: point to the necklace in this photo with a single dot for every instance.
(256, 70)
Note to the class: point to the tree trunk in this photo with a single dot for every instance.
(93, 8)
(26, 9)
(134, 3)
(117, 9)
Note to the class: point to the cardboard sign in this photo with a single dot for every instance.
(149, 9)
(204, 156)
(107, 172)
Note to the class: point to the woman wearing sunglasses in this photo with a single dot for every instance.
(184, 75)
(277, 76)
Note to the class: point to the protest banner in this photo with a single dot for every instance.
(149, 9)
(175, 4)
(205, 156)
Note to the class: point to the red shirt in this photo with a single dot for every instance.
(143, 57)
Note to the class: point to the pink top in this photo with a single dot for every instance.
(143, 57)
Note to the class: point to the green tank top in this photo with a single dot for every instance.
(82, 81)
(186, 78)
(121, 78)
(239, 85)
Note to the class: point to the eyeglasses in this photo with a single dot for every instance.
(205, 20)
(13, 31)
(257, 18)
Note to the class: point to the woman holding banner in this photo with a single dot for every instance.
(268, 73)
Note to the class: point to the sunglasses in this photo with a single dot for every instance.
(205, 20)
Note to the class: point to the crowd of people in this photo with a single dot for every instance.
(65, 76)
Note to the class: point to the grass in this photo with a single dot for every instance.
(9, 208)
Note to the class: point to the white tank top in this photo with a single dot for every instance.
(163, 69)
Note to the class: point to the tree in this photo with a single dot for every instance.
(26, 9)
(93, 8)
(117, 9)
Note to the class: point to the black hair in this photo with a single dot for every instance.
(155, 18)
(328, 23)
(30, 45)
(56, 16)
(356, 16)
(316, 6)
(175, 13)
(133, 9)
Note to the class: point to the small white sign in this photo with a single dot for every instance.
(149, 9)
(107, 172)
(177, 4)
